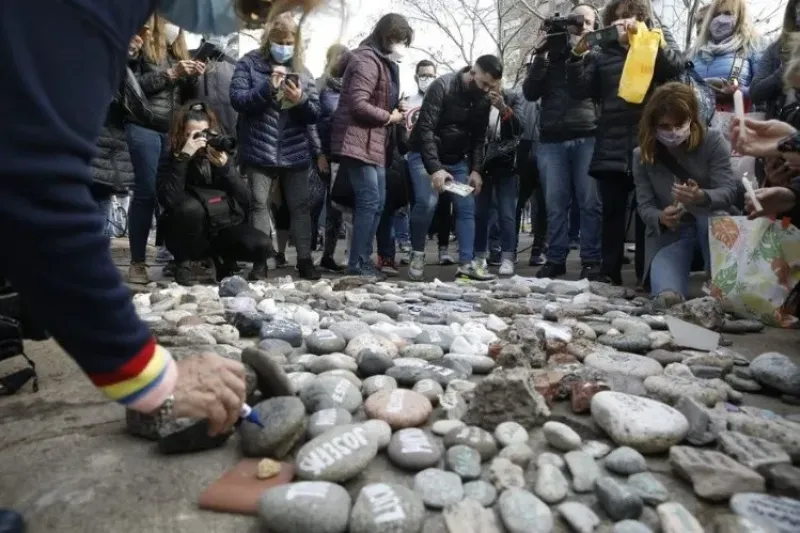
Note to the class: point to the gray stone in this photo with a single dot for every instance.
(372, 342)
(766, 425)
(469, 516)
(506, 395)
(666, 357)
(349, 329)
(480, 364)
(625, 461)
(617, 500)
(774, 514)
(777, 371)
(753, 452)
(386, 508)
(390, 309)
(380, 431)
(630, 526)
(551, 484)
(643, 424)
(342, 373)
(481, 491)
(561, 436)
(706, 371)
(474, 437)
(326, 392)
(519, 454)
(714, 475)
(372, 363)
(583, 469)
(324, 341)
(337, 455)
(430, 389)
(407, 376)
(284, 420)
(730, 523)
(323, 420)
(506, 475)
(443, 427)
(742, 384)
(271, 380)
(549, 458)
(522, 512)
(648, 488)
(332, 361)
(596, 449)
(413, 449)
(704, 424)
(374, 384)
(285, 330)
(580, 518)
(509, 433)
(464, 461)
(675, 518)
(275, 346)
(783, 480)
(232, 286)
(305, 506)
(438, 488)
(427, 352)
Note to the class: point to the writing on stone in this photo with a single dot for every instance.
(335, 449)
(324, 334)
(395, 403)
(783, 511)
(414, 441)
(307, 490)
(340, 391)
(384, 502)
(326, 417)
(752, 451)
(434, 336)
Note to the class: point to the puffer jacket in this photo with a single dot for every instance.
(359, 126)
(214, 88)
(721, 66)
(164, 96)
(451, 124)
(596, 75)
(766, 88)
(271, 137)
(562, 117)
(112, 166)
(328, 102)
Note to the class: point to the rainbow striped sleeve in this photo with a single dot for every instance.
(144, 382)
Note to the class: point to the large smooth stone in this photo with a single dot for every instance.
(305, 506)
(627, 364)
(386, 508)
(643, 424)
(522, 512)
(400, 408)
(284, 420)
(777, 371)
(413, 449)
(337, 455)
(714, 475)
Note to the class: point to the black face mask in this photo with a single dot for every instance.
(476, 91)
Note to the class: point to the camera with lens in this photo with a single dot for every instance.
(559, 29)
(218, 141)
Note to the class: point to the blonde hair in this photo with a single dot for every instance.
(280, 28)
(155, 47)
(791, 70)
(677, 101)
(744, 24)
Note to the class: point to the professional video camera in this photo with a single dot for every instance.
(218, 141)
(559, 29)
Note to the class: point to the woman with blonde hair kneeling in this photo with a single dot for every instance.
(682, 172)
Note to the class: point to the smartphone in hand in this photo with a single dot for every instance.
(602, 36)
(294, 77)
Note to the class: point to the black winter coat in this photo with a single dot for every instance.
(451, 124)
(597, 75)
(511, 128)
(562, 117)
(214, 88)
(164, 96)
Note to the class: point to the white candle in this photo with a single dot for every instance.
(738, 107)
(749, 188)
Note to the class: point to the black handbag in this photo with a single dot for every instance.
(501, 150)
(217, 206)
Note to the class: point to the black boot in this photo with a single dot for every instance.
(259, 271)
(223, 268)
(306, 269)
(183, 273)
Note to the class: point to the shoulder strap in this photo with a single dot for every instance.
(669, 161)
(738, 64)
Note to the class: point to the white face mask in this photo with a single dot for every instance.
(424, 84)
(398, 52)
(171, 32)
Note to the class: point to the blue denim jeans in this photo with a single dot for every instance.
(401, 228)
(369, 188)
(505, 188)
(145, 148)
(565, 166)
(425, 200)
(672, 264)
(385, 236)
(574, 219)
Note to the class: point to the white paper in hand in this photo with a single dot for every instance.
(458, 188)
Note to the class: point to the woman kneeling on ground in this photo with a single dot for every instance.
(205, 200)
(682, 172)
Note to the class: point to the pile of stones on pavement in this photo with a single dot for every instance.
(521, 405)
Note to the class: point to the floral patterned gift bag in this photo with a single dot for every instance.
(755, 264)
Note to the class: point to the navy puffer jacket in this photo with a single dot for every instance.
(268, 135)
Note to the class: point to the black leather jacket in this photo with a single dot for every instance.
(164, 96)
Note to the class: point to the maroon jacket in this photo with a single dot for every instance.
(359, 128)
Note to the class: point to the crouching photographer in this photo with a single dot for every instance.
(205, 200)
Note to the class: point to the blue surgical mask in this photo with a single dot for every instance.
(721, 27)
(673, 138)
(281, 53)
(213, 17)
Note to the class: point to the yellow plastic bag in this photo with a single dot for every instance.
(640, 64)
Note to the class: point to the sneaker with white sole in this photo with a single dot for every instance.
(416, 267)
(163, 256)
(445, 258)
(506, 268)
(476, 270)
(137, 273)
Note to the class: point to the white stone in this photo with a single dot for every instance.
(645, 425)
(561, 436)
(508, 433)
(495, 323)
(627, 364)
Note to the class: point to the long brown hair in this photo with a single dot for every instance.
(677, 101)
(155, 47)
(194, 110)
(789, 39)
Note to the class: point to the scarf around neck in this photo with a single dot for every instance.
(710, 50)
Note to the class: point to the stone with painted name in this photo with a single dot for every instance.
(408, 375)
(322, 421)
(522, 512)
(305, 506)
(337, 455)
(474, 437)
(645, 425)
(752, 452)
(438, 488)
(675, 518)
(713, 475)
(327, 392)
(400, 408)
(386, 508)
(325, 341)
(775, 514)
(464, 461)
(413, 449)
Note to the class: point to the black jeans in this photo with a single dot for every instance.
(443, 221)
(333, 225)
(530, 184)
(614, 187)
(186, 237)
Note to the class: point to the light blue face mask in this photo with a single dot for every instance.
(281, 53)
(214, 17)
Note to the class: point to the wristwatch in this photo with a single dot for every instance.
(165, 411)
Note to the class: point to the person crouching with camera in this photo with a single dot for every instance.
(205, 200)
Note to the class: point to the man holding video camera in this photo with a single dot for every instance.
(567, 133)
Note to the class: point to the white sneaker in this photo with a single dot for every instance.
(416, 268)
(445, 258)
(506, 268)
